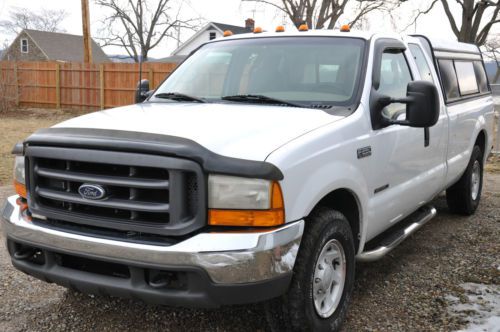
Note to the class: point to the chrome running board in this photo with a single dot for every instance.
(392, 240)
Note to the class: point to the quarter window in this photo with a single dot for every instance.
(24, 45)
(467, 83)
(422, 65)
(449, 79)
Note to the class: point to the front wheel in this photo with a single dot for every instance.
(463, 197)
(323, 277)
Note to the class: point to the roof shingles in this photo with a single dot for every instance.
(65, 47)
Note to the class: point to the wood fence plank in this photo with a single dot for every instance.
(101, 86)
(16, 80)
(58, 86)
(91, 86)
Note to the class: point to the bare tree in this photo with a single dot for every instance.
(24, 18)
(477, 18)
(138, 26)
(320, 14)
(491, 50)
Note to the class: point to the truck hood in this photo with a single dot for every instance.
(234, 130)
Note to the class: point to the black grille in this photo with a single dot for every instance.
(144, 193)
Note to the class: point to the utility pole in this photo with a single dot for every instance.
(87, 45)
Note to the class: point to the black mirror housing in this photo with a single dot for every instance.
(142, 91)
(422, 107)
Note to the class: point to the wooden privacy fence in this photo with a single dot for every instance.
(71, 85)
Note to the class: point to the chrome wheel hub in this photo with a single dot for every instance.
(329, 278)
(475, 180)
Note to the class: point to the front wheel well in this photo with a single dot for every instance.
(345, 202)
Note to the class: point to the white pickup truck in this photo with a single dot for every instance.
(260, 170)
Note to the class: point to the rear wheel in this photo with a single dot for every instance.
(464, 196)
(323, 277)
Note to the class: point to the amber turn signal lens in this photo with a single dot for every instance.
(248, 218)
(280, 28)
(228, 33)
(251, 218)
(20, 189)
(303, 27)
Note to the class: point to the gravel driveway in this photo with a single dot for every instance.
(405, 291)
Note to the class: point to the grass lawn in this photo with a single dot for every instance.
(17, 125)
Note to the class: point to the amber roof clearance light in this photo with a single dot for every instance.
(345, 28)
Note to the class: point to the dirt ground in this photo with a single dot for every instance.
(17, 125)
(493, 165)
(408, 290)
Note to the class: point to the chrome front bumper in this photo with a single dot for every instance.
(227, 257)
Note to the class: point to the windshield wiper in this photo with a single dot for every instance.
(178, 97)
(261, 99)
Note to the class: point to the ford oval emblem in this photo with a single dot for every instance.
(92, 191)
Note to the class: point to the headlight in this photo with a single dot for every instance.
(19, 171)
(231, 192)
(20, 176)
(236, 201)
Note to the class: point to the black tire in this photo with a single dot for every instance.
(295, 311)
(459, 196)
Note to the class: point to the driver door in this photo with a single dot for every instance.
(407, 173)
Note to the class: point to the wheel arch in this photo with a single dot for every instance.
(481, 140)
(346, 202)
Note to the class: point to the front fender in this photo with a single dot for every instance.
(313, 167)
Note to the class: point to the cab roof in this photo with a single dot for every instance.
(437, 44)
(294, 33)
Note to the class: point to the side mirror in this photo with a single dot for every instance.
(142, 91)
(422, 106)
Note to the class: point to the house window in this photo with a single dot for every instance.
(24, 45)
(212, 35)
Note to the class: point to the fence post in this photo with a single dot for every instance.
(58, 86)
(101, 85)
(16, 84)
(150, 78)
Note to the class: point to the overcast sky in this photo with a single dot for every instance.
(233, 12)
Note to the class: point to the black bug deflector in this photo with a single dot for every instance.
(126, 141)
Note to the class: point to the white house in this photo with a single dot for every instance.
(211, 31)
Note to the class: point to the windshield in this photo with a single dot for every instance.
(309, 71)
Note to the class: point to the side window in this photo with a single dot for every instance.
(394, 78)
(449, 79)
(467, 83)
(481, 77)
(422, 65)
